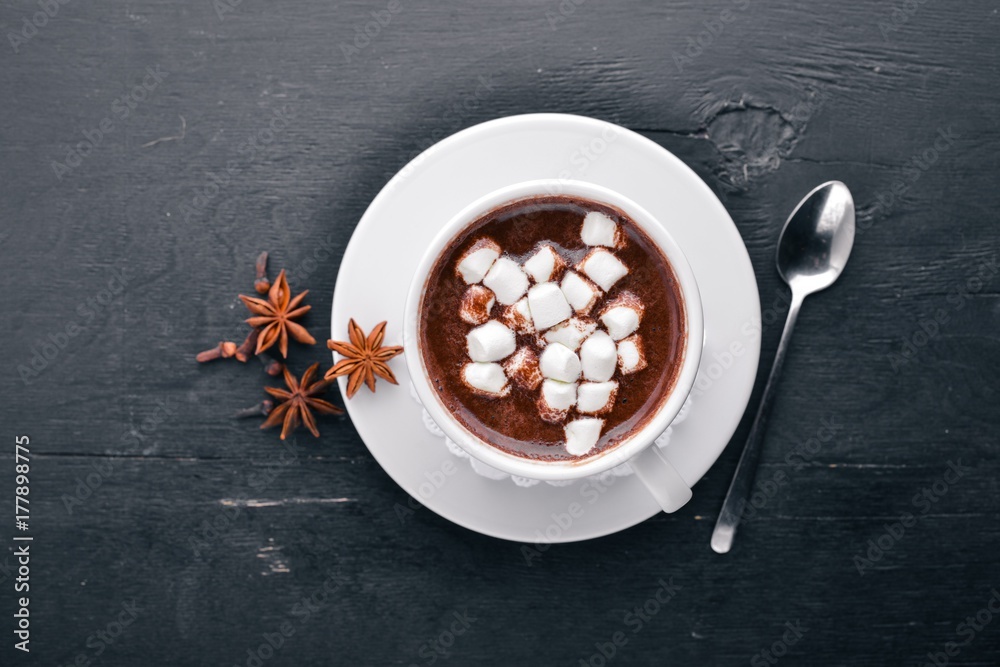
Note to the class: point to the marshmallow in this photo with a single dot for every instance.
(582, 435)
(599, 229)
(594, 398)
(544, 264)
(487, 379)
(476, 305)
(556, 400)
(603, 268)
(620, 321)
(477, 260)
(518, 317)
(490, 342)
(580, 292)
(631, 356)
(622, 316)
(571, 332)
(522, 369)
(507, 281)
(558, 362)
(548, 305)
(559, 395)
(598, 357)
(628, 299)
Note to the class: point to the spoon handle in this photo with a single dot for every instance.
(739, 489)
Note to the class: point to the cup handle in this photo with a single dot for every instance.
(661, 478)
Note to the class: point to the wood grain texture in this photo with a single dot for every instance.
(764, 101)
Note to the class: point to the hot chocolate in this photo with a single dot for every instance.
(552, 327)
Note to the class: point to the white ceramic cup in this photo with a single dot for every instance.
(660, 477)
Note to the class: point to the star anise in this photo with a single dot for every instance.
(364, 358)
(298, 403)
(275, 316)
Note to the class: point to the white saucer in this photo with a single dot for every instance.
(387, 245)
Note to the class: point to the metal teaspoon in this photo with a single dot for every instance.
(814, 246)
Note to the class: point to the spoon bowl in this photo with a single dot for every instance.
(817, 239)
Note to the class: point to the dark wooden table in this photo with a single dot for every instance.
(151, 149)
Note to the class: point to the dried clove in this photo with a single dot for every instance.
(224, 350)
(272, 366)
(262, 409)
(247, 347)
(262, 284)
